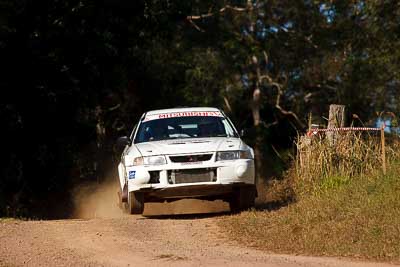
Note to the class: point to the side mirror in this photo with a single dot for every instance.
(248, 133)
(123, 141)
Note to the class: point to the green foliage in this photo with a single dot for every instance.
(334, 182)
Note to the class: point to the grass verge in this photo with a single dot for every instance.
(8, 220)
(359, 218)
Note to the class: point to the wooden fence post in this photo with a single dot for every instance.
(336, 120)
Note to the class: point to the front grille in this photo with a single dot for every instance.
(192, 176)
(191, 158)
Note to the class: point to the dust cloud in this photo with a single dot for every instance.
(94, 200)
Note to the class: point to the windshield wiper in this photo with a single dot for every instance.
(216, 135)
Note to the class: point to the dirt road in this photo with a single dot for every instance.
(177, 240)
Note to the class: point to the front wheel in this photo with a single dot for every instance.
(242, 199)
(135, 203)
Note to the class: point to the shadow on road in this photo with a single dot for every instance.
(186, 216)
(186, 209)
(273, 205)
(189, 209)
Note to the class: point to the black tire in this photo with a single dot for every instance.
(121, 204)
(234, 203)
(242, 199)
(135, 203)
(119, 201)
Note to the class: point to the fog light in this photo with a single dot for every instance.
(241, 171)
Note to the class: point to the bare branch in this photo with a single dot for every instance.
(267, 77)
(228, 105)
(117, 106)
(238, 9)
(265, 57)
(221, 11)
(290, 113)
(283, 111)
(276, 152)
(202, 16)
(255, 103)
(308, 39)
(118, 126)
(195, 25)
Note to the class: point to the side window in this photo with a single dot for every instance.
(228, 128)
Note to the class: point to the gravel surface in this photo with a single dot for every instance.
(169, 240)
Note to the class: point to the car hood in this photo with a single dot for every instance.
(186, 146)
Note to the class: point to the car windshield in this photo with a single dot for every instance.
(184, 127)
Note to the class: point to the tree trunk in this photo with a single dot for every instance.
(336, 120)
(100, 160)
(255, 109)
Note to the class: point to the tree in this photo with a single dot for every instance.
(77, 74)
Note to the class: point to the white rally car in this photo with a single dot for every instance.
(185, 153)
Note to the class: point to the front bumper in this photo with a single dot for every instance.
(200, 191)
(227, 173)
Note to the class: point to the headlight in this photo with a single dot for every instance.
(227, 155)
(245, 154)
(138, 161)
(232, 155)
(153, 160)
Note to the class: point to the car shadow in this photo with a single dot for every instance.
(186, 209)
(186, 216)
(274, 205)
(190, 209)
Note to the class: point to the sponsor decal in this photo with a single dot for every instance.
(183, 114)
(132, 174)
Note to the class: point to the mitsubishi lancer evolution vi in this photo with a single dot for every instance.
(180, 153)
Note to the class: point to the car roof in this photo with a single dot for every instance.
(183, 109)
